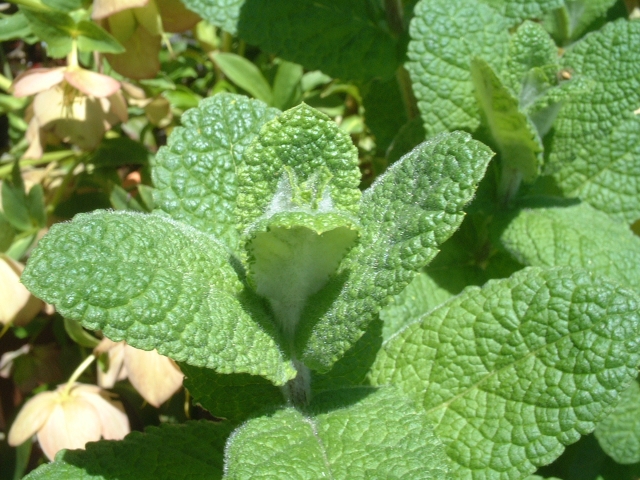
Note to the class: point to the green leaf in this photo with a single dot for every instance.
(619, 433)
(384, 112)
(234, 397)
(7, 233)
(54, 28)
(36, 206)
(15, 207)
(353, 367)
(123, 200)
(64, 5)
(348, 40)
(355, 433)
(93, 38)
(577, 236)
(195, 174)
(575, 18)
(300, 159)
(79, 334)
(530, 47)
(221, 13)
(156, 283)
(518, 10)
(287, 89)
(169, 452)
(440, 53)
(14, 26)
(245, 74)
(605, 172)
(588, 123)
(420, 296)
(406, 214)
(512, 372)
(517, 138)
(116, 152)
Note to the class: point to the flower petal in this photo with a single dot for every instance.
(72, 424)
(116, 369)
(104, 8)
(17, 305)
(154, 376)
(91, 83)
(37, 80)
(114, 422)
(32, 417)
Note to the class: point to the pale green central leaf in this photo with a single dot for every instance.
(157, 283)
(518, 141)
(293, 258)
(358, 433)
(512, 372)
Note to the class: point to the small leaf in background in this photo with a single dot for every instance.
(93, 38)
(569, 334)
(575, 18)
(123, 200)
(79, 335)
(14, 26)
(55, 28)
(346, 434)
(286, 85)
(64, 5)
(245, 74)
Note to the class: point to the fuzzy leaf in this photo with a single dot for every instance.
(577, 236)
(355, 433)
(343, 39)
(446, 36)
(517, 138)
(406, 214)
(584, 150)
(169, 452)
(195, 174)
(512, 372)
(576, 17)
(234, 397)
(518, 10)
(156, 283)
(619, 433)
(301, 161)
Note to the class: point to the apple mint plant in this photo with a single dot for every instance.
(467, 316)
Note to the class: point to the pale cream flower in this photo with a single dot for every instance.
(71, 104)
(69, 418)
(17, 305)
(154, 376)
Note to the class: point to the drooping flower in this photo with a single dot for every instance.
(17, 305)
(71, 104)
(154, 376)
(69, 417)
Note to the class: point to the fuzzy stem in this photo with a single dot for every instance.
(406, 90)
(298, 390)
(509, 184)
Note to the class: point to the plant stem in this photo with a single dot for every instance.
(509, 184)
(395, 15)
(5, 328)
(298, 390)
(406, 90)
(30, 162)
(77, 372)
